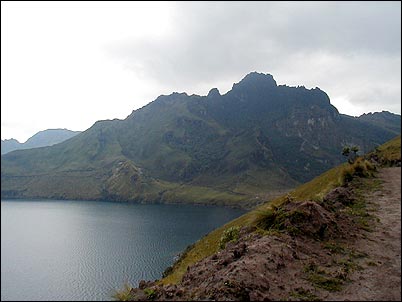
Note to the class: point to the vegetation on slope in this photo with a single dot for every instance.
(291, 249)
(256, 139)
(388, 153)
(313, 190)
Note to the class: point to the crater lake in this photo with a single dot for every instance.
(85, 250)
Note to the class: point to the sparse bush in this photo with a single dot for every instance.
(282, 220)
(123, 294)
(151, 293)
(347, 175)
(350, 153)
(229, 235)
(167, 271)
(360, 168)
(335, 247)
(304, 295)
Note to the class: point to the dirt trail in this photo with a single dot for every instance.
(284, 267)
(380, 279)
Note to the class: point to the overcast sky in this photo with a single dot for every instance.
(69, 64)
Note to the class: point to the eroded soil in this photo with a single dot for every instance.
(380, 278)
(335, 255)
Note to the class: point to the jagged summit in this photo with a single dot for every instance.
(255, 80)
(214, 92)
(384, 113)
(227, 148)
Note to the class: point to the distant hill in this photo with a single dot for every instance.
(9, 145)
(257, 140)
(384, 119)
(41, 139)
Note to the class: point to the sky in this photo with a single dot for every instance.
(69, 64)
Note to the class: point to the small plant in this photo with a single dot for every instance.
(359, 168)
(328, 283)
(310, 267)
(304, 295)
(289, 198)
(167, 271)
(335, 247)
(229, 235)
(123, 294)
(151, 293)
(350, 153)
(371, 263)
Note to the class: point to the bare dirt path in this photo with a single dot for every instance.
(380, 278)
(282, 267)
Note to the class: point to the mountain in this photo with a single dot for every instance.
(384, 119)
(41, 139)
(9, 145)
(254, 142)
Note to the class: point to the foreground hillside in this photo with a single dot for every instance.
(334, 238)
(256, 141)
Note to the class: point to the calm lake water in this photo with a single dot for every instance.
(83, 250)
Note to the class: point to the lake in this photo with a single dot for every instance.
(84, 250)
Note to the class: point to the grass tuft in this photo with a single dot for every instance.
(123, 294)
(229, 235)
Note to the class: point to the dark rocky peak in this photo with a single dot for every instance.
(178, 94)
(254, 81)
(380, 116)
(383, 114)
(11, 140)
(213, 93)
(171, 97)
(386, 119)
(164, 100)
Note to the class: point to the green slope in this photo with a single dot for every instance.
(257, 139)
(315, 190)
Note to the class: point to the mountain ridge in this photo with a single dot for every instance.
(256, 138)
(42, 138)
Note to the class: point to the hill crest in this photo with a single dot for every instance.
(226, 149)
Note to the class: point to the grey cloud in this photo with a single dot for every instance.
(214, 41)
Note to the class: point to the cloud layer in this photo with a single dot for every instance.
(69, 64)
(351, 50)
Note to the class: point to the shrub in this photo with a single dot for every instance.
(151, 293)
(280, 219)
(229, 235)
(360, 168)
(350, 153)
(123, 294)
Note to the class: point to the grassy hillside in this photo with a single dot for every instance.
(257, 139)
(315, 190)
(388, 153)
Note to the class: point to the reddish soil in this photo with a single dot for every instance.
(330, 257)
(380, 279)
